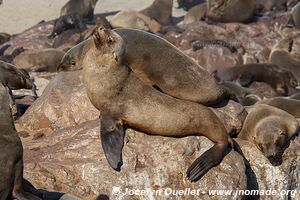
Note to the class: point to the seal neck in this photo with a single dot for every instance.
(104, 79)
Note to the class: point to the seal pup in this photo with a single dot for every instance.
(161, 11)
(135, 20)
(280, 79)
(196, 13)
(281, 56)
(289, 105)
(245, 96)
(127, 100)
(270, 129)
(231, 10)
(67, 22)
(11, 156)
(84, 8)
(161, 65)
(39, 60)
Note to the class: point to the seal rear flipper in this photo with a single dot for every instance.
(206, 161)
(112, 140)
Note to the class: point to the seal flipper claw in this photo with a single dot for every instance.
(112, 139)
(205, 162)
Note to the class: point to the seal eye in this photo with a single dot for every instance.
(110, 40)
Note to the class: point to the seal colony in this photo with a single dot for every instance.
(141, 81)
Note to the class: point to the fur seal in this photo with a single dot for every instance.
(163, 66)
(196, 13)
(67, 22)
(39, 60)
(161, 11)
(127, 100)
(72, 59)
(231, 10)
(272, 5)
(270, 129)
(10, 57)
(11, 150)
(295, 18)
(4, 37)
(280, 79)
(84, 8)
(281, 56)
(245, 96)
(188, 4)
(289, 105)
(14, 78)
(135, 20)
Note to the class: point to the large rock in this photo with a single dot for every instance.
(63, 103)
(32, 38)
(72, 160)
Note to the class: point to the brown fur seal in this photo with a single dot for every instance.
(135, 20)
(124, 99)
(11, 150)
(281, 56)
(163, 66)
(231, 10)
(84, 8)
(270, 129)
(161, 11)
(196, 13)
(14, 78)
(291, 106)
(39, 60)
(72, 60)
(280, 79)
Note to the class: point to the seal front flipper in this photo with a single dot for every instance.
(112, 139)
(206, 161)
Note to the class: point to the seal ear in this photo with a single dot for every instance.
(112, 139)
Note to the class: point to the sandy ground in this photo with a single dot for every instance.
(18, 15)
